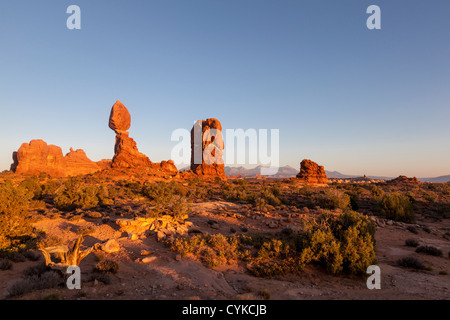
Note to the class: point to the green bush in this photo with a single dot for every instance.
(333, 199)
(397, 207)
(376, 192)
(237, 192)
(212, 250)
(168, 198)
(345, 243)
(339, 244)
(430, 196)
(14, 202)
(33, 185)
(268, 195)
(74, 194)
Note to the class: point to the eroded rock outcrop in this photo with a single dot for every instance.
(207, 149)
(404, 180)
(126, 153)
(37, 156)
(311, 172)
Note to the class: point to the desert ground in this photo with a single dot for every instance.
(189, 238)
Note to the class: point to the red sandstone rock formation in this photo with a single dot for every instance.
(404, 179)
(119, 118)
(36, 157)
(311, 172)
(207, 149)
(169, 167)
(126, 153)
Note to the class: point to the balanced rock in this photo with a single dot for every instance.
(311, 172)
(207, 149)
(38, 157)
(126, 153)
(119, 118)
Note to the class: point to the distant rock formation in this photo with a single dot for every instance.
(404, 179)
(311, 172)
(207, 149)
(126, 153)
(36, 157)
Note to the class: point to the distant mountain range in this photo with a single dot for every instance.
(436, 179)
(290, 172)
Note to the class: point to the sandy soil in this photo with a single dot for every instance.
(169, 278)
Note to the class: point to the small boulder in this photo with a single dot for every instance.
(110, 246)
(148, 259)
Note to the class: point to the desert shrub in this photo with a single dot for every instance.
(376, 192)
(49, 240)
(411, 262)
(33, 186)
(199, 190)
(32, 256)
(107, 266)
(14, 202)
(46, 280)
(433, 251)
(412, 229)
(74, 194)
(104, 278)
(305, 191)
(171, 203)
(180, 207)
(35, 270)
(162, 192)
(86, 230)
(397, 207)
(274, 257)
(212, 250)
(267, 195)
(345, 243)
(5, 264)
(430, 196)
(103, 195)
(333, 199)
(264, 294)
(339, 244)
(194, 181)
(37, 204)
(16, 256)
(50, 188)
(168, 197)
(233, 192)
(411, 242)
(323, 248)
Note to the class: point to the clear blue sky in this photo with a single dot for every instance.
(354, 100)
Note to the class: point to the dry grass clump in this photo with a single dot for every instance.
(432, 251)
(411, 262)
